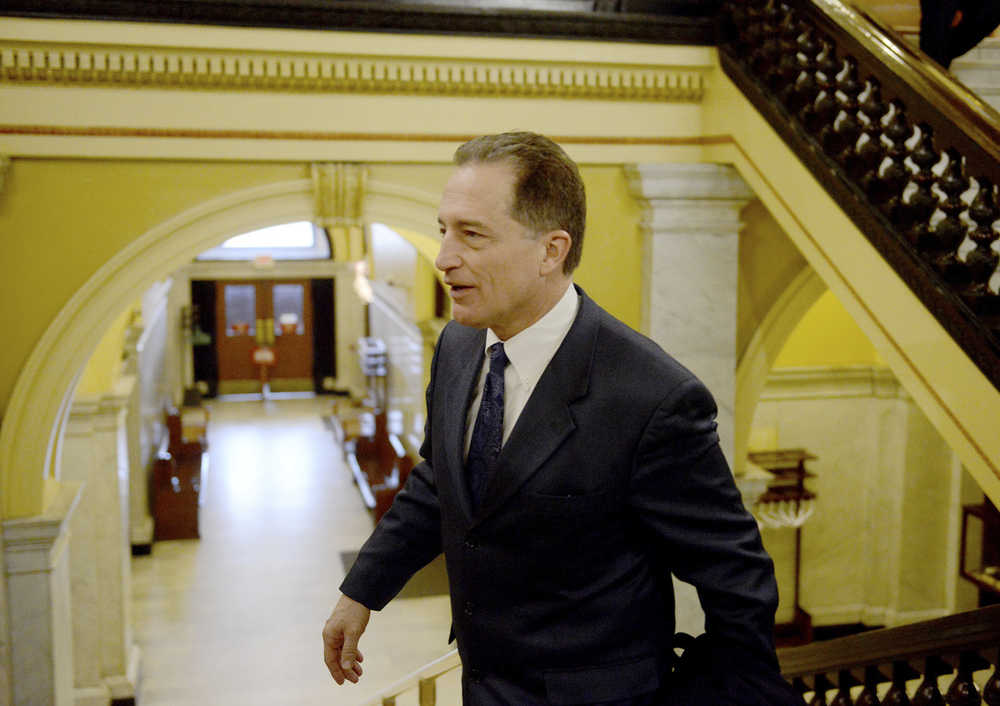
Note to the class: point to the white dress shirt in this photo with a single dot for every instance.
(529, 353)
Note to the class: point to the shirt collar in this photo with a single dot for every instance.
(530, 350)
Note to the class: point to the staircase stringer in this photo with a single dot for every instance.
(957, 398)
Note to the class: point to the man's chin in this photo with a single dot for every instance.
(466, 318)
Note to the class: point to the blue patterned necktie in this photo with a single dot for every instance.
(487, 434)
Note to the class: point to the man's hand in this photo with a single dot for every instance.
(340, 640)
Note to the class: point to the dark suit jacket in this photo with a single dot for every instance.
(611, 479)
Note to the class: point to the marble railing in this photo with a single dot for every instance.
(931, 663)
(909, 154)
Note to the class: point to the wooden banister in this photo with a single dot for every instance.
(874, 120)
(960, 644)
(424, 680)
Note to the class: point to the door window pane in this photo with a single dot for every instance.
(289, 309)
(241, 309)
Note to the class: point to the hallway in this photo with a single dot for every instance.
(235, 618)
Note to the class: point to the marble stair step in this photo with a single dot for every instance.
(988, 50)
(977, 74)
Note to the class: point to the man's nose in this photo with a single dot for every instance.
(447, 258)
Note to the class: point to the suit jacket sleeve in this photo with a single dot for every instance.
(407, 537)
(693, 516)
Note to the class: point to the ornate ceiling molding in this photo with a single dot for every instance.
(29, 63)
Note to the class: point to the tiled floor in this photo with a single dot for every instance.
(235, 617)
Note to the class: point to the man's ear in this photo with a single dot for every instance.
(557, 244)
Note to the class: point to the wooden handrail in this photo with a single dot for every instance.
(422, 679)
(953, 634)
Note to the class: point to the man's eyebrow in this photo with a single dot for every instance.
(462, 223)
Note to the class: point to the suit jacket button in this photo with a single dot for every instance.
(469, 608)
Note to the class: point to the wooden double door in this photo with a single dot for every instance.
(261, 319)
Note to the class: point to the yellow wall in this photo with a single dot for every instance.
(60, 220)
(610, 271)
(827, 335)
(768, 263)
(104, 366)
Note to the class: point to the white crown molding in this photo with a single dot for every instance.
(126, 66)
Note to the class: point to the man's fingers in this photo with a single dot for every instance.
(341, 633)
(332, 658)
(349, 652)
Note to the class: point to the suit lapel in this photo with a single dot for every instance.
(546, 420)
(460, 391)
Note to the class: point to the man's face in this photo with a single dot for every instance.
(491, 262)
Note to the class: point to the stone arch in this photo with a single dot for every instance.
(765, 345)
(31, 430)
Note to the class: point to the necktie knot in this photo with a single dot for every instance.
(498, 358)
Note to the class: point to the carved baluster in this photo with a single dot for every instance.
(981, 262)
(824, 107)
(991, 692)
(841, 135)
(800, 96)
(781, 78)
(963, 690)
(922, 202)
(751, 29)
(800, 688)
(764, 54)
(893, 175)
(869, 695)
(927, 693)
(901, 673)
(734, 19)
(871, 151)
(845, 680)
(942, 243)
(822, 685)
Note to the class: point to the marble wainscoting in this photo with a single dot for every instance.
(106, 661)
(882, 546)
(36, 563)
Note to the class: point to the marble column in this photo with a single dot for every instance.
(37, 570)
(691, 224)
(95, 452)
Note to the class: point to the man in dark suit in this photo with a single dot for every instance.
(570, 466)
(950, 28)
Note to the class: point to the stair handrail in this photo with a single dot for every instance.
(422, 679)
(871, 117)
(928, 80)
(965, 642)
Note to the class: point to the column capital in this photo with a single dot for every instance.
(689, 198)
(687, 181)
